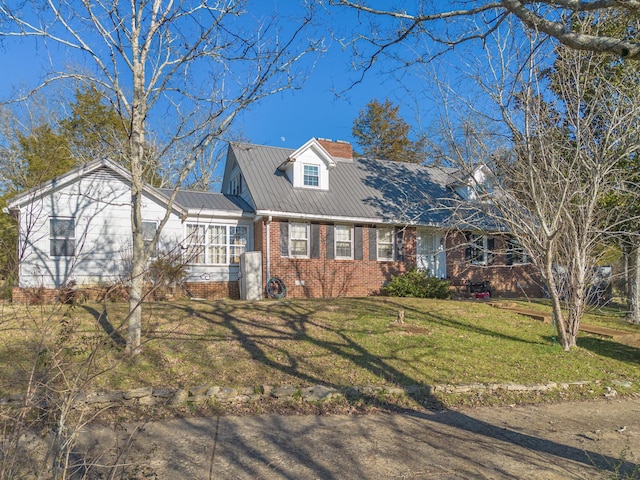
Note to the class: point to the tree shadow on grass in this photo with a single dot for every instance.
(610, 348)
(103, 320)
(297, 319)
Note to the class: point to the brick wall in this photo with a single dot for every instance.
(213, 290)
(98, 293)
(313, 278)
(309, 278)
(506, 280)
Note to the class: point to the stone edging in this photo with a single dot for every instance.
(317, 393)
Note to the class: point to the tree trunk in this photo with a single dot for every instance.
(556, 305)
(633, 288)
(136, 150)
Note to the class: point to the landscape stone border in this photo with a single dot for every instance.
(318, 393)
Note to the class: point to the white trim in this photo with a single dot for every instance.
(307, 239)
(335, 242)
(392, 243)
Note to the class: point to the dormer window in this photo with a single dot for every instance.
(235, 186)
(309, 166)
(311, 176)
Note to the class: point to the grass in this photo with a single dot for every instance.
(337, 342)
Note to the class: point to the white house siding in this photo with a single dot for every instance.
(100, 204)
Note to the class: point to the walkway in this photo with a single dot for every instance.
(570, 440)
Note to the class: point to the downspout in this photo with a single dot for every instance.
(268, 256)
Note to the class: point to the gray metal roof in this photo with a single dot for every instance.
(192, 200)
(371, 190)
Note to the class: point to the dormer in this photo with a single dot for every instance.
(309, 166)
(479, 183)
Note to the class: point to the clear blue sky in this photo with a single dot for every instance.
(287, 119)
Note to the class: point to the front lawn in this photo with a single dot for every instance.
(337, 342)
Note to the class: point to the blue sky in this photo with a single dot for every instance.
(287, 119)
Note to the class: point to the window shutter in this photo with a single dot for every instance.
(467, 247)
(509, 243)
(330, 243)
(491, 247)
(284, 239)
(315, 240)
(357, 243)
(373, 243)
(399, 244)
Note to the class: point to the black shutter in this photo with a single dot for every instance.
(509, 244)
(284, 239)
(373, 243)
(399, 244)
(491, 247)
(330, 243)
(468, 247)
(357, 243)
(315, 240)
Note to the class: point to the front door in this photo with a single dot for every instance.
(431, 256)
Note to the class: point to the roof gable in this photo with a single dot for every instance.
(309, 166)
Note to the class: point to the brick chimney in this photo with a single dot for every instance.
(338, 148)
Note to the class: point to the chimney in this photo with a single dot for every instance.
(338, 148)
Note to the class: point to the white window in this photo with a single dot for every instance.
(311, 176)
(516, 254)
(235, 186)
(344, 241)
(195, 243)
(148, 232)
(479, 249)
(237, 243)
(385, 243)
(299, 239)
(62, 234)
(216, 244)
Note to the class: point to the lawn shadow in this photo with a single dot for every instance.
(610, 348)
(431, 316)
(103, 320)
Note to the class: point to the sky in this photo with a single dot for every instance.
(287, 119)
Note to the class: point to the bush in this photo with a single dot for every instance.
(416, 284)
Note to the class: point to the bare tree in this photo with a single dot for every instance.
(556, 163)
(448, 24)
(193, 67)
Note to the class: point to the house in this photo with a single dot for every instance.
(327, 224)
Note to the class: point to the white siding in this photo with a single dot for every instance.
(310, 157)
(100, 204)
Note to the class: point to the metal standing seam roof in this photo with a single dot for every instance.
(362, 188)
(203, 201)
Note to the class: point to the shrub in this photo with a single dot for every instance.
(416, 284)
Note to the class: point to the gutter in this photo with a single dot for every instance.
(332, 218)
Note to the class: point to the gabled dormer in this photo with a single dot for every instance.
(479, 183)
(309, 166)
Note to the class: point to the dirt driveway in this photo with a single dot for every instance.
(585, 440)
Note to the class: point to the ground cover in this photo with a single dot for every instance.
(337, 343)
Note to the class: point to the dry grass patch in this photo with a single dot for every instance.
(338, 342)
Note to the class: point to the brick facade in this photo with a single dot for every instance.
(320, 277)
(213, 290)
(518, 280)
